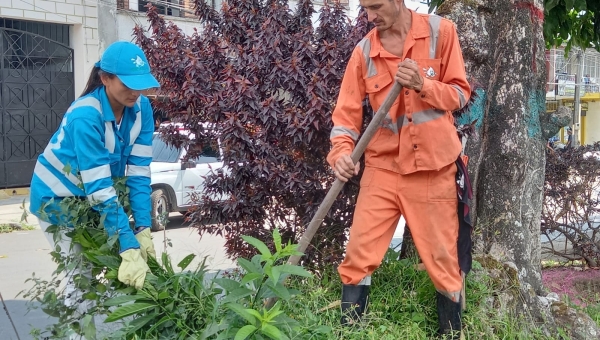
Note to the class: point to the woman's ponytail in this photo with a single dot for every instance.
(94, 81)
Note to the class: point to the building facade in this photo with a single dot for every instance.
(47, 50)
(47, 47)
(562, 74)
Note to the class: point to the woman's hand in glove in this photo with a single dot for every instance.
(146, 246)
(133, 268)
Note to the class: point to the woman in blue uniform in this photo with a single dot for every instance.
(105, 133)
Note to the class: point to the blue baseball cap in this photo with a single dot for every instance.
(128, 62)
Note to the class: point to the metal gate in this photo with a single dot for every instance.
(36, 89)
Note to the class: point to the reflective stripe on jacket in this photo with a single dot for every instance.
(86, 151)
(418, 133)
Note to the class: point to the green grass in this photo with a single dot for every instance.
(593, 309)
(10, 227)
(402, 306)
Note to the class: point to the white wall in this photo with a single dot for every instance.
(126, 21)
(82, 15)
(592, 123)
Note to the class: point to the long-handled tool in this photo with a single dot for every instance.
(337, 186)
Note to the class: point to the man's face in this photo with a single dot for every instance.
(382, 13)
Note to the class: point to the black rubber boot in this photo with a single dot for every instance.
(354, 303)
(449, 317)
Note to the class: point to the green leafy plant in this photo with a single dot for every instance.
(173, 304)
(95, 264)
(180, 305)
(572, 22)
(179, 301)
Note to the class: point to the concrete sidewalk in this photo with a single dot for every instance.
(23, 253)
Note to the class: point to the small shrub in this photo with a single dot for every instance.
(571, 204)
(173, 304)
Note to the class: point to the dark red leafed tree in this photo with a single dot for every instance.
(265, 81)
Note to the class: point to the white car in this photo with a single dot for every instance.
(173, 181)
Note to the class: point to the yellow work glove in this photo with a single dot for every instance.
(146, 246)
(133, 268)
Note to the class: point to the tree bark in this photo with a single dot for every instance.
(408, 248)
(504, 52)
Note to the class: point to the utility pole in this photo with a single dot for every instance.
(577, 104)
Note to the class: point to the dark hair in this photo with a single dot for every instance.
(94, 80)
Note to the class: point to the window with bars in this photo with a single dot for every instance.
(591, 66)
(56, 32)
(176, 8)
(565, 69)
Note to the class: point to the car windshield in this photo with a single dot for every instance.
(208, 155)
(161, 152)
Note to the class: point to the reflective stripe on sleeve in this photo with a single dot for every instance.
(51, 181)
(141, 150)
(138, 170)
(102, 195)
(343, 131)
(461, 96)
(58, 165)
(94, 174)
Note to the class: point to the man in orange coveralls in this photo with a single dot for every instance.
(410, 162)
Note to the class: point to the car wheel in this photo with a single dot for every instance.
(160, 209)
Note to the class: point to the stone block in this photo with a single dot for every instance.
(45, 6)
(20, 4)
(91, 11)
(56, 17)
(33, 15)
(91, 22)
(11, 12)
(75, 19)
(65, 9)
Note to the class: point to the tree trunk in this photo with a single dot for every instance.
(408, 248)
(504, 52)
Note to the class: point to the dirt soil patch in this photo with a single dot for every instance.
(581, 286)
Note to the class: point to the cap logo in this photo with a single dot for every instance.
(138, 62)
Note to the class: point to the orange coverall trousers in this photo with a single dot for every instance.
(428, 201)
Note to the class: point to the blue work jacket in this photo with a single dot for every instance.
(83, 155)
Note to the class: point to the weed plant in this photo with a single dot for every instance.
(177, 302)
(402, 306)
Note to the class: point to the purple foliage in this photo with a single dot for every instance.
(266, 80)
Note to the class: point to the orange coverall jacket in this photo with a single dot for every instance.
(418, 133)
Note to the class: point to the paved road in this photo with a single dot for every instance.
(23, 253)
